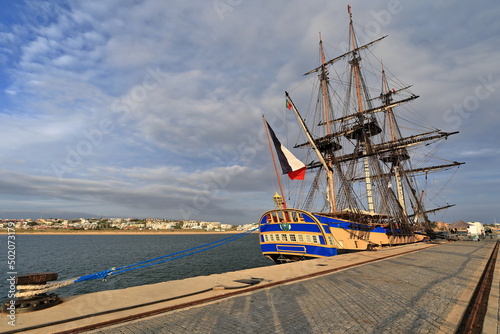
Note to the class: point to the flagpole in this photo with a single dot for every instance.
(274, 161)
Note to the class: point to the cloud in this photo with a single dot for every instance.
(152, 192)
(147, 108)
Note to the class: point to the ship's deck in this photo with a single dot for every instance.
(406, 289)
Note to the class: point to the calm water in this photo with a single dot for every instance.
(77, 255)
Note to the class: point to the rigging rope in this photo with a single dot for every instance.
(33, 290)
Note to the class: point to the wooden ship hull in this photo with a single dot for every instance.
(288, 235)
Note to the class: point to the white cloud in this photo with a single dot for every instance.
(75, 65)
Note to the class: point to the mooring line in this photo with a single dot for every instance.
(30, 291)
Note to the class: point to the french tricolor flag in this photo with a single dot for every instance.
(290, 165)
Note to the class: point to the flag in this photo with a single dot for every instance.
(288, 104)
(290, 165)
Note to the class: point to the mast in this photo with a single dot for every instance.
(324, 86)
(363, 134)
(397, 156)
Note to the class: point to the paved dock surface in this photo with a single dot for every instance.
(421, 292)
(414, 289)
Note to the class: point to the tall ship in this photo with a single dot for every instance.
(368, 158)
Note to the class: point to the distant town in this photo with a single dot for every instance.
(123, 224)
(154, 224)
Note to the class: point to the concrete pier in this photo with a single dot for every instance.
(419, 288)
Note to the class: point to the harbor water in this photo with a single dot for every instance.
(74, 255)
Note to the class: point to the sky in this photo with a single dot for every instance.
(145, 108)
